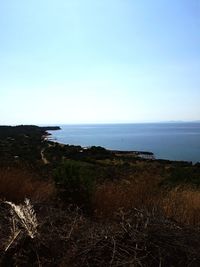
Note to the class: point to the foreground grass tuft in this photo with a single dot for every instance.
(23, 217)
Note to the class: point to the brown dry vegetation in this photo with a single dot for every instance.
(68, 238)
(113, 196)
(181, 204)
(16, 184)
(136, 222)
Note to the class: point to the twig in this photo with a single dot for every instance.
(114, 250)
(72, 227)
(12, 240)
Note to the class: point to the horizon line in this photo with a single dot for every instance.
(103, 123)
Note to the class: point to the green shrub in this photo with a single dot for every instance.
(75, 181)
(184, 175)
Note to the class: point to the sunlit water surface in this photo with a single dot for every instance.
(174, 141)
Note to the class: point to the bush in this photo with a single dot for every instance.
(75, 180)
(184, 175)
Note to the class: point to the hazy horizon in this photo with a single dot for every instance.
(106, 123)
(84, 61)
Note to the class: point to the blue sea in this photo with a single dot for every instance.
(173, 141)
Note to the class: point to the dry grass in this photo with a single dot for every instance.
(180, 204)
(183, 205)
(124, 195)
(18, 184)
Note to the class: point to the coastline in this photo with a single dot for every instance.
(134, 153)
(175, 142)
(141, 155)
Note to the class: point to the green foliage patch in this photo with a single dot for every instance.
(76, 180)
(184, 175)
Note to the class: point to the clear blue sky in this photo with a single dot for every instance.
(86, 61)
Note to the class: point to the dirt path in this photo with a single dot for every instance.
(45, 161)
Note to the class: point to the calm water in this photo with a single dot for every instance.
(174, 141)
